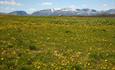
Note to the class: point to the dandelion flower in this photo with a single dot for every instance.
(2, 59)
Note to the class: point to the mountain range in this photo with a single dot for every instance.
(65, 12)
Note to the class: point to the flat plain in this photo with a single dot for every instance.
(57, 43)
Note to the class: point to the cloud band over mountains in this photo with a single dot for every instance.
(10, 2)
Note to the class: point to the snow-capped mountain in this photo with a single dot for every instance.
(68, 9)
(111, 11)
(46, 12)
(86, 12)
(66, 12)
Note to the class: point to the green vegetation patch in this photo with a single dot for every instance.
(57, 43)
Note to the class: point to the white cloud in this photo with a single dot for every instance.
(12, 2)
(105, 5)
(73, 6)
(47, 3)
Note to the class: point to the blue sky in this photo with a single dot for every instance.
(34, 5)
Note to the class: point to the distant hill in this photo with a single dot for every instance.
(20, 13)
(111, 11)
(1, 13)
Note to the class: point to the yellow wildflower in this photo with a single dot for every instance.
(2, 58)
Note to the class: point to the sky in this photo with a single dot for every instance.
(35, 5)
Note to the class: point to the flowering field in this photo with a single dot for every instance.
(57, 43)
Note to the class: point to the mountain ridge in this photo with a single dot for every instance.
(65, 12)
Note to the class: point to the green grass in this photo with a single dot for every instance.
(57, 43)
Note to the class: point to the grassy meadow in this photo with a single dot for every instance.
(57, 43)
